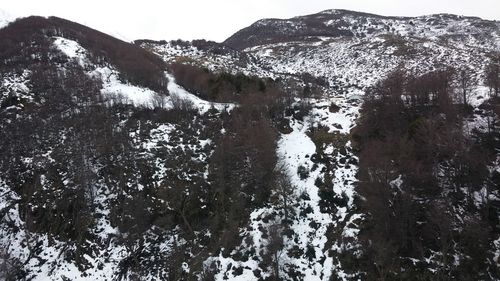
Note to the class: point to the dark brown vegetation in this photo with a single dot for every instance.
(280, 30)
(418, 171)
(221, 87)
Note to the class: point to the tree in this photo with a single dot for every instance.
(493, 76)
(283, 195)
(11, 268)
(275, 248)
(465, 82)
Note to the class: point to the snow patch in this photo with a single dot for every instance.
(71, 49)
(118, 91)
(202, 106)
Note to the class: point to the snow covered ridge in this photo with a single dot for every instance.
(341, 23)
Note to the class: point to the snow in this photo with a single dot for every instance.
(71, 49)
(294, 150)
(55, 266)
(231, 62)
(5, 18)
(396, 184)
(294, 147)
(123, 92)
(202, 106)
(496, 243)
(18, 83)
(114, 88)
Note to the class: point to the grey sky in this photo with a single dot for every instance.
(218, 19)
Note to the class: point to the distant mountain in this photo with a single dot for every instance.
(343, 23)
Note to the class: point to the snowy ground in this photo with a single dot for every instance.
(311, 230)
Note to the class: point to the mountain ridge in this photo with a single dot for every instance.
(338, 23)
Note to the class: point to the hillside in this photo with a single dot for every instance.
(348, 24)
(333, 146)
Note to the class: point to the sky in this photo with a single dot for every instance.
(218, 19)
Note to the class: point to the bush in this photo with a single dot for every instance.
(303, 172)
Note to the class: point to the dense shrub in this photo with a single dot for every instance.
(222, 87)
(416, 167)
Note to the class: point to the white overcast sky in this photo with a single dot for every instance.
(218, 19)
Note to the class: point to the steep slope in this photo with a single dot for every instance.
(87, 126)
(250, 168)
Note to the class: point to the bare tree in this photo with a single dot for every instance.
(275, 247)
(159, 101)
(181, 104)
(283, 196)
(465, 82)
(493, 76)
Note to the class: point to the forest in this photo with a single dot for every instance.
(419, 167)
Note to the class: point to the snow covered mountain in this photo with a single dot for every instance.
(241, 160)
(349, 24)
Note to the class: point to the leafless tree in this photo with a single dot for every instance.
(275, 247)
(465, 81)
(493, 76)
(283, 196)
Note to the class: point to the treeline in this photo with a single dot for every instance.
(135, 64)
(221, 87)
(421, 173)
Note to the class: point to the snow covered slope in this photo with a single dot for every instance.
(342, 24)
(154, 167)
(351, 51)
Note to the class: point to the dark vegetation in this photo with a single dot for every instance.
(222, 87)
(419, 172)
